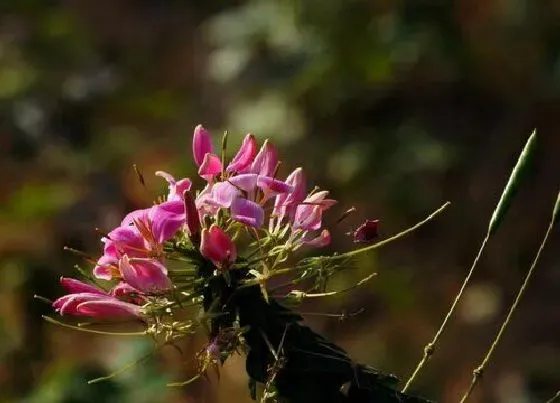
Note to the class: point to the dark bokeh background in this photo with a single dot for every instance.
(396, 106)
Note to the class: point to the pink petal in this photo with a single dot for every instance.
(247, 212)
(176, 188)
(320, 241)
(244, 156)
(274, 186)
(168, 177)
(210, 167)
(204, 203)
(126, 239)
(126, 292)
(134, 216)
(246, 182)
(308, 217)
(202, 144)
(266, 160)
(68, 303)
(223, 194)
(59, 302)
(182, 186)
(76, 286)
(108, 308)
(122, 289)
(287, 203)
(319, 198)
(103, 269)
(166, 219)
(146, 275)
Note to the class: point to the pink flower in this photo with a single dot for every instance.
(141, 235)
(158, 224)
(146, 275)
(218, 247)
(122, 240)
(244, 156)
(202, 144)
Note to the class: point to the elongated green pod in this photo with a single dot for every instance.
(513, 183)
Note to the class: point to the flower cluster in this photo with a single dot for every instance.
(243, 214)
(215, 250)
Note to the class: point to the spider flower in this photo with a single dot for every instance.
(141, 235)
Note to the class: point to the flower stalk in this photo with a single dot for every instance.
(479, 371)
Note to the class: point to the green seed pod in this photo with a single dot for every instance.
(513, 183)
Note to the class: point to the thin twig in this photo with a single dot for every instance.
(477, 373)
(431, 346)
(554, 398)
(497, 215)
(82, 329)
(391, 239)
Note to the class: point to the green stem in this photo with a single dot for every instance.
(367, 248)
(554, 398)
(497, 215)
(477, 373)
(82, 329)
(391, 239)
(429, 349)
(331, 293)
(123, 369)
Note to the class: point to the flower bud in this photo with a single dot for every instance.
(202, 144)
(217, 246)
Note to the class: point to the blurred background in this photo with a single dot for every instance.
(395, 106)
